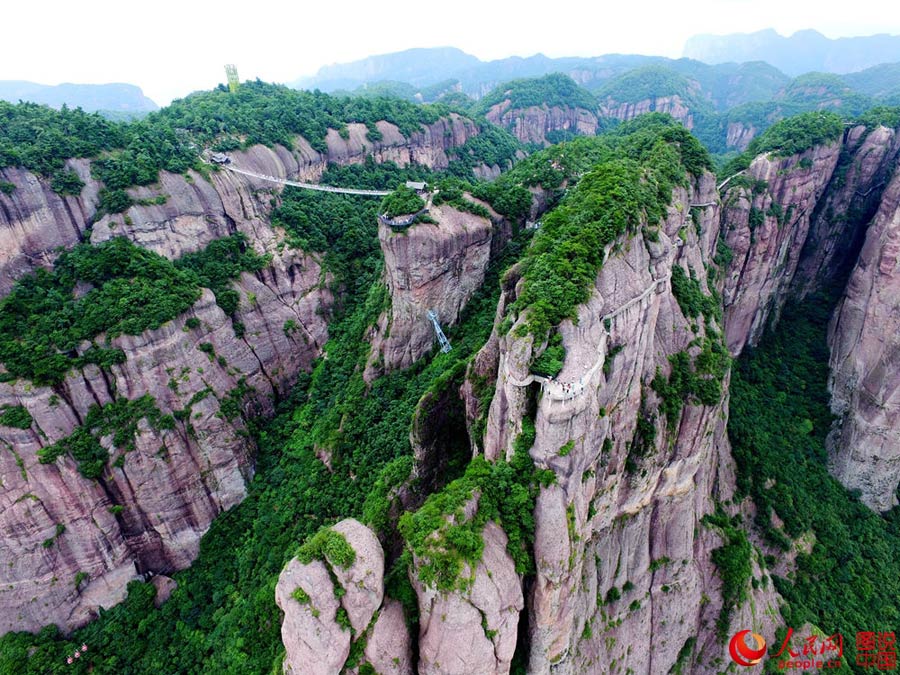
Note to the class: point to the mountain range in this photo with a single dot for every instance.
(802, 52)
(116, 100)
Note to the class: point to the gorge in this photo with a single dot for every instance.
(349, 499)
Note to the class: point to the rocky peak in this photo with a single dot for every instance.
(430, 266)
(535, 123)
(331, 596)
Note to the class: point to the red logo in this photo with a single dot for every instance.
(744, 655)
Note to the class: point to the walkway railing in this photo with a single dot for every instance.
(564, 391)
(308, 186)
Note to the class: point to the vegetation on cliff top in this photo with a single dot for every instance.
(402, 201)
(646, 82)
(554, 90)
(41, 139)
(789, 137)
(637, 166)
(445, 541)
(110, 289)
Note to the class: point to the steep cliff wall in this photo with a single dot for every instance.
(739, 134)
(68, 544)
(864, 338)
(766, 222)
(854, 195)
(623, 562)
(430, 266)
(671, 105)
(798, 225)
(533, 124)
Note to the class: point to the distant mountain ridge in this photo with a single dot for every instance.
(452, 69)
(802, 52)
(116, 98)
(543, 100)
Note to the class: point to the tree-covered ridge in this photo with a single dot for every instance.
(824, 90)
(646, 83)
(402, 201)
(110, 289)
(552, 90)
(41, 139)
(636, 168)
(792, 136)
(273, 114)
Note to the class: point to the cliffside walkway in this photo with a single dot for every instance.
(307, 186)
(408, 220)
(564, 391)
(727, 180)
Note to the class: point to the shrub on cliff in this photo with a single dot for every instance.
(43, 322)
(402, 201)
(796, 134)
(638, 166)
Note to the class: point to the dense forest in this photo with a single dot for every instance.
(222, 618)
(850, 580)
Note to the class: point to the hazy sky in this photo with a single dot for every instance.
(172, 48)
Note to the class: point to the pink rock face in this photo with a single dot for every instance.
(428, 267)
(766, 231)
(174, 482)
(363, 581)
(473, 630)
(171, 486)
(831, 244)
(389, 648)
(314, 642)
(532, 124)
(864, 337)
(602, 526)
(739, 135)
(26, 241)
(671, 105)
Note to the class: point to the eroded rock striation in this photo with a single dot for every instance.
(69, 545)
(671, 105)
(864, 338)
(534, 123)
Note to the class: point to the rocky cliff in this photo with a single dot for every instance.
(800, 224)
(535, 123)
(68, 544)
(766, 222)
(623, 561)
(671, 105)
(864, 337)
(430, 266)
(739, 134)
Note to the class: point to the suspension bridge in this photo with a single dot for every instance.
(307, 186)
